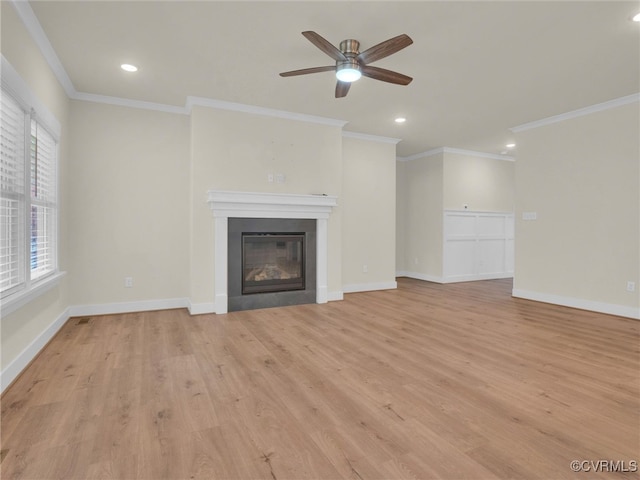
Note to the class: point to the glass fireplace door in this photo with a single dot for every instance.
(272, 262)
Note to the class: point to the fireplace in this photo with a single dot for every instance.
(272, 262)
(227, 206)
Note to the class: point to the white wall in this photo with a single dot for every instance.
(401, 209)
(128, 205)
(28, 327)
(483, 184)
(445, 180)
(235, 151)
(368, 215)
(422, 197)
(581, 177)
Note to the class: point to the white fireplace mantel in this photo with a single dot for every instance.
(228, 204)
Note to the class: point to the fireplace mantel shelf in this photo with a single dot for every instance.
(230, 204)
(269, 205)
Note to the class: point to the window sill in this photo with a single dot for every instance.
(19, 299)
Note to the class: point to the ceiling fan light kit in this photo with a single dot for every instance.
(351, 64)
(348, 71)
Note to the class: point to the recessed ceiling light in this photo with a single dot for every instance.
(400, 120)
(636, 17)
(510, 145)
(128, 67)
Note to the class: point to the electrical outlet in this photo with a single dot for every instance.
(281, 178)
(415, 261)
(270, 177)
(128, 282)
(631, 286)
(365, 268)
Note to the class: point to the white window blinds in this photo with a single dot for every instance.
(43, 201)
(28, 208)
(12, 200)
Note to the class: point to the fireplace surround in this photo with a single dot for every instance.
(271, 262)
(227, 205)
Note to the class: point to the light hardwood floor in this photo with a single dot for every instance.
(426, 381)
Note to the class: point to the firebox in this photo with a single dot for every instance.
(272, 262)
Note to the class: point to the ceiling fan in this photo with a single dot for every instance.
(351, 64)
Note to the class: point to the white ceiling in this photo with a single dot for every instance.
(479, 67)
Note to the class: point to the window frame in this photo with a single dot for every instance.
(16, 297)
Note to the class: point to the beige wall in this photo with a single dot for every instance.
(422, 194)
(581, 177)
(128, 204)
(368, 214)
(484, 184)
(23, 326)
(235, 151)
(445, 181)
(401, 211)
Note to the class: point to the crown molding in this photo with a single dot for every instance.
(208, 103)
(618, 102)
(12, 81)
(370, 138)
(457, 151)
(493, 156)
(428, 153)
(34, 28)
(269, 112)
(126, 102)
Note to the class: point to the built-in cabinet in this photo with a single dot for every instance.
(477, 245)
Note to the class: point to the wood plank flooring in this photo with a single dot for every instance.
(427, 381)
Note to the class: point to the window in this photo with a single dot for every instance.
(28, 198)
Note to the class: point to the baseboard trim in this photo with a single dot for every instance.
(336, 296)
(420, 276)
(369, 287)
(454, 279)
(201, 308)
(128, 307)
(473, 278)
(15, 367)
(600, 307)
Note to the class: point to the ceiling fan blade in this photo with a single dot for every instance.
(305, 71)
(385, 75)
(324, 45)
(384, 49)
(342, 88)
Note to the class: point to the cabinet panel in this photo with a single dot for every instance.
(463, 253)
(490, 225)
(477, 245)
(491, 256)
(461, 225)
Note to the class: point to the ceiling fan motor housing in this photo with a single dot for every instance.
(350, 47)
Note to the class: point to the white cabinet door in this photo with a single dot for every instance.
(477, 245)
